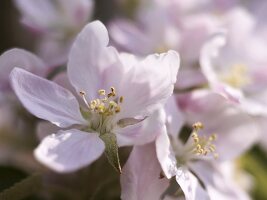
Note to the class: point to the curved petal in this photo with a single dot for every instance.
(84, 69)
(70, 150)
(190, 185)
(46, 99)
(166, 155)
(142, 132)
(175, 119)
(209, 52)
(234, 127)
(149, 84)
(130, 37)
(140, 178)
(218, 185)
(18, 58)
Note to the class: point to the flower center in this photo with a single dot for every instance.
(102, 109)
(203, 145)
(237, 76)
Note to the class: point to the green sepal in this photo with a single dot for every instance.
(111, 150)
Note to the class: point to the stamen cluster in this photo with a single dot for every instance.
(203, 145)
(107, 104)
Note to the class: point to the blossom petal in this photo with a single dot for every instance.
(84, 69)
(46, 99)
(234, 127)
(140, 178)
(149, 84)
(166, 155)
(18, 58)
(175, 118)
(142, 132)
(69, 150)
(218, 185)
(190, 185)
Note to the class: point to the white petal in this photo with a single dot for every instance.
(18, 58)
(190, 185)
(218, 185)
(84, 70)
(131, 37)
(143, 132)
(70, 150)
(149, 84)
(140, 178)
(46, 99)
(175, 118)
(235, 129)
(209, 52)
(166, 155)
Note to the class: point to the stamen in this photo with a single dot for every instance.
(102, 92)
(121, 99)
(82, 93)
(108, 105)
(203, 145)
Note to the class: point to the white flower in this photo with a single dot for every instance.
(119, 92)
(194, 162)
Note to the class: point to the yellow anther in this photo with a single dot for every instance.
(121, 99)
(202, 145)
(106, 105)
(196, 140)
(198, 125)
(117, 109)
(213, 137)
(102, 92)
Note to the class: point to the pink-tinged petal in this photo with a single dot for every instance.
(18, 58)
(70, 150)
(46, 99)
(209, 53)
(234, 127)
(130, 37)
(190, 185)
(90, 58)
(217, 184)
(142, 132)
(174, 117)
(140, 178)
(149, 84)
(166, 155)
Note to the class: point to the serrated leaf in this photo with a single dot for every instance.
(111, 150)
(23, 188)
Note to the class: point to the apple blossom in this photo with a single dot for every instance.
(187, 160)
(119, 91)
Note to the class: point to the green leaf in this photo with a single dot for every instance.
(111, 150)
(23, 188)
